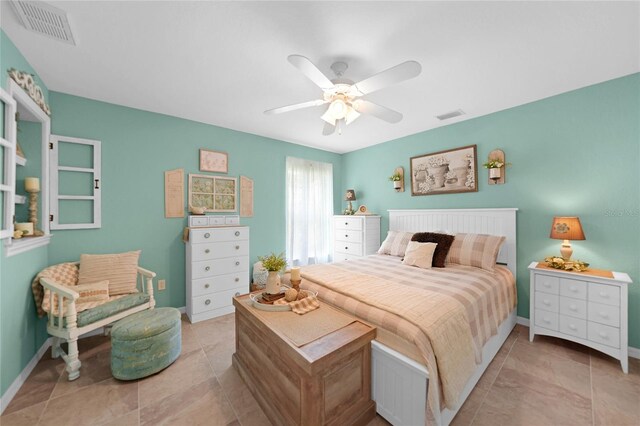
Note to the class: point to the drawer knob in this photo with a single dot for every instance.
(346, 235)
(573, 307)
(237, 233)
(207, 235)
(207, 268)
(237, 279)
(346, 248)
(573, 288)
(207, 251)
(604, 315)
(604, 294)
(346, 223)
(237, 247)
(206, 286)
(237, 293)
(573, 327)
(207, 302)
(603, 335)
(237, 263)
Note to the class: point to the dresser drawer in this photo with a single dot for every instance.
(573, 288)
(354, 223)
(573, 308)
(218, 300)
(348, 235)
(606, 294)
(603, 334)
(218, 283)
(548, 320)
(547, 284)
(341, 257)
(348, 248)
(220, 250)
(208, 235)
(547, 302)
(604, 314)
(573, 326)
(210, 268)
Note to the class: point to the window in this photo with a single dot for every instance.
(309, 209)
(7, 158)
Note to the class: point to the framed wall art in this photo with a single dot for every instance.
(214, 161)
(445, 172)
(213, 193)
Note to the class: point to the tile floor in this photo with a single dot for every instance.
(546, 382)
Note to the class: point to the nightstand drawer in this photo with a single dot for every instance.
(573, 288)
(573, 307)
(573, 326)
(348, 248)
(348, 235)
(341, 257)
(547, 284)
(548, 320)
(606, 294)
(547, 302)
(354, 223)
(604, 314)
(604, 334)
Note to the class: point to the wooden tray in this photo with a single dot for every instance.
(257, 297)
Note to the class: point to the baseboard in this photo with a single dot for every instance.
(22, 377)
(183, 310)
(633, 352)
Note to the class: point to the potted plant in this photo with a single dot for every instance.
(396, 178)
(274, 263)
(495, 166)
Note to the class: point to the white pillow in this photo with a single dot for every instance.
(396, 243)
(419, 254)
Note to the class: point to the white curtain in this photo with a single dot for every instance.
(309, 211)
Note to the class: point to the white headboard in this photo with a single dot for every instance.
(474, 221)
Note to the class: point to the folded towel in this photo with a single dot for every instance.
(302, 306)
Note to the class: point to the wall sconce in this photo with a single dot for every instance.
(496, 165)
(398, 179)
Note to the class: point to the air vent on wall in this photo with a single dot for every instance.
(451, 114)
(44, 19)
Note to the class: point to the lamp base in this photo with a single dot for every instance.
(566, 251)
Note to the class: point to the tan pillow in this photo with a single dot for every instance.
(479, 250)
(396, 243)
(96, 293)
(120, 269)
(419, 254)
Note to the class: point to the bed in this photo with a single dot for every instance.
(412, 352)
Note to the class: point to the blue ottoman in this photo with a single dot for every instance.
(144, 343)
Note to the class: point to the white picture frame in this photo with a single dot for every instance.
(217, 194)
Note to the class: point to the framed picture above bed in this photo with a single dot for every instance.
(214, 193)
(445, 172)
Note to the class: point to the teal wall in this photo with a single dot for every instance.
(137, 147)
(21, 332)
(577, 153)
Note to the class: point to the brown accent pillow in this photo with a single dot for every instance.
(120, 269)
(443, 242)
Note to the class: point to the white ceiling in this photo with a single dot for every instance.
(224, 63)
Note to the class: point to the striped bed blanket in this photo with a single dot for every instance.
(447, 313)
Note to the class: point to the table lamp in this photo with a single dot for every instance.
(566, 228)
(350, 196)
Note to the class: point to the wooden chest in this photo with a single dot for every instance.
(325, 382)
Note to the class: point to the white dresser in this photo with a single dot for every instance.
(355, 236)
(217, 268)
(584, 307)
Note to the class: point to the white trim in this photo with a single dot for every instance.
(6, 398)
(25, 244)
(183, 310)
(523, 321)
(8, 181)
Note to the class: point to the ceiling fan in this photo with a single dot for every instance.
(344, 96)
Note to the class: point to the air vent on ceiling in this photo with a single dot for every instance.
(451, 114)
(44, 19)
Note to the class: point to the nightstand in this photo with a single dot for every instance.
(588, 307)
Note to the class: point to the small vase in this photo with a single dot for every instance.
(273, 283)
(397, 184)
(494, 173)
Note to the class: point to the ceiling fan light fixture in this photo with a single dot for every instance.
(351, 116)
(338, 109)
(328, 117)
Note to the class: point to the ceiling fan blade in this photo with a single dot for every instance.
(394, 75)
(311, 71)
(294, 107)
(383, 113)
(328, 129)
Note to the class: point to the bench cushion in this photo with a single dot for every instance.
(109, 309)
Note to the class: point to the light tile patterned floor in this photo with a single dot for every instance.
(546, 382)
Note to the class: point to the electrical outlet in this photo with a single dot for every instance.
(162, 284)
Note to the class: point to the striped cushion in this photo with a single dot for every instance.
(477, 250)
(120, 269)
(396, 243)
(92, 294)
